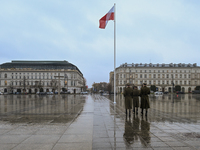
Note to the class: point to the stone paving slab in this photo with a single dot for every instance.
(101, 124)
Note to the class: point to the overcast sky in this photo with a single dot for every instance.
(156, 31)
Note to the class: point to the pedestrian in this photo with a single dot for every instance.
(128, 93)
(136, 94)
(144, 98)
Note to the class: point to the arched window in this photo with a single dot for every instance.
(183, 89)
(5, 75)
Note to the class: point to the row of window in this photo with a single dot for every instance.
(20, 83)
(175, 71)
(163, 76)
(36, 74)
(159, 71)
(158, 82)
(35, 77)
(157, 76)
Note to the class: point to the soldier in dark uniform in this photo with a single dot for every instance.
(144, 98)
(136, 94)
(128, 93)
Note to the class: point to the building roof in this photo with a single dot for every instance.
(171, 65)
(39, 65)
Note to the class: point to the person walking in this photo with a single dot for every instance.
(128, 93)
(144, 98)
(136, 94)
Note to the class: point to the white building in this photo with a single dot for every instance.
(43, 76)
(163, 76)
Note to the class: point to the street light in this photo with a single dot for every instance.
(59, 82)
(129, 75)
(172, 84)
(24, 83)
(66, 82)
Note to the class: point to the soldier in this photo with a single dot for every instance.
(136, 93)
(144, 98)
(128, 93)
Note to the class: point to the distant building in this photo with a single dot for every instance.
(97, 87)
(163, 76)
(40, 76)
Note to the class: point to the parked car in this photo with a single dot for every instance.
(179, 92)
(17, 93)
(42, 93)
(49, 93)
(158, 93)
(84, 92)
(165, 92)
(66, 92)
(196, 92)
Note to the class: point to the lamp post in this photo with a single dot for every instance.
(172, 84)
(66, 83)
(24, 83)
(172, 89)
(59, 82)
(129, 76)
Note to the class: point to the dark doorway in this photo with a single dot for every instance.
(19, 90)
(41, 90)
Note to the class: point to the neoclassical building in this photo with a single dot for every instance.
(164, 76)
(40, 76)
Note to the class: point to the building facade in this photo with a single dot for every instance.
(40, 76)
(164, 76)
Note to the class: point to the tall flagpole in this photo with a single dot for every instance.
(114, 52)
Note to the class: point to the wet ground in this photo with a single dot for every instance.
(94, 122)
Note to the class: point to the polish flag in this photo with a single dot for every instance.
(104, 20)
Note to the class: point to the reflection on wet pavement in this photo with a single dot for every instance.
(95, 122)
(172, 123)
(40, 109)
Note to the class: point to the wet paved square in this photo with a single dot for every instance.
(93, 122)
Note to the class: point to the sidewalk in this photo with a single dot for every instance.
(102, 125)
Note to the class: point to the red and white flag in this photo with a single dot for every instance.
(109, 16)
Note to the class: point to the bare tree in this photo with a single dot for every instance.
(109, 87)
(102, 86)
